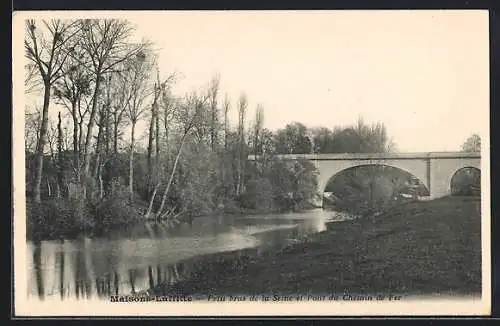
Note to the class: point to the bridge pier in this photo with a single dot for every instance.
(318, 199)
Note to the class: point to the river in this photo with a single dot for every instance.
(133, 260)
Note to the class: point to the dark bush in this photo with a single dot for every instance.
(57, 218)
(114, 210)
(258, 194)
(61, 218)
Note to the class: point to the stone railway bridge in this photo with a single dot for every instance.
(434, 169)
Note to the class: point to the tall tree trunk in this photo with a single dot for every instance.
(167, 188)
(241, 161)
(80, 130)
(60, 168)
(48, 188)
(150, 206)
(157, 141)
(101, 184)
(131, 163)
(150, 140)
(224, 155)
(115, 133)
(40, 146)
(167, 134)
(238, 175)
(214, 90)
(98, 147)
(226, 124)
(212, 129)
(152, 129)
(80, 140)
(242, 177)
(157, 134)
(76, 158)
(238, 167)
(90, 128)
(107, 134)
(256, 143)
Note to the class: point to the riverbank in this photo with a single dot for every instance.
(364, 208)
(72, 218)
(414, 248)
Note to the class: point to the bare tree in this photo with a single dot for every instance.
(31, 129)
(257, 129)
(160, 97)
(188, 114)
(167, 110)
(47, 49)
(52, 139)
(69, 91)
(472, 144)
(139, 80)
(214, 111)
(31, 81)
(83, 111)
(227, 106)
(119, 95)
(153, 122)
(103, 134)
(242, 107)
(257, 136)
(60, 167)
(106, 42)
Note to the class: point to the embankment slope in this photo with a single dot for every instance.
(421, 248)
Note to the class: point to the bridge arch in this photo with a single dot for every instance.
(329, 169)
(400, 180)
(466, 181)
(443, 170)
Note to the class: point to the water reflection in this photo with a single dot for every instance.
(134, 260)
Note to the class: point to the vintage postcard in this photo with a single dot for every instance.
(251, 163)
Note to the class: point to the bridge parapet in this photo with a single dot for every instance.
(372, 156)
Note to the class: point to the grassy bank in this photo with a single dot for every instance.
(418, 248)
(357, 206)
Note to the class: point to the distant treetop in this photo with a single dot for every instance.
(472, 144)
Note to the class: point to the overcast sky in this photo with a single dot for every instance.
(424, 74)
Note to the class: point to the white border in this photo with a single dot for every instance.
(70, 308)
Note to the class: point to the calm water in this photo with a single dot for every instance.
(143, 256)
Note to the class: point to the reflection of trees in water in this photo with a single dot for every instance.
(61, 274)
(82, 280)
(37, 265)
(73, 273)
(91, 269)
(169, 274)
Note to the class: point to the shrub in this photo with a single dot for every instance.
(258, 194)
(114, 210)
(61, 218)
(56, 218)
